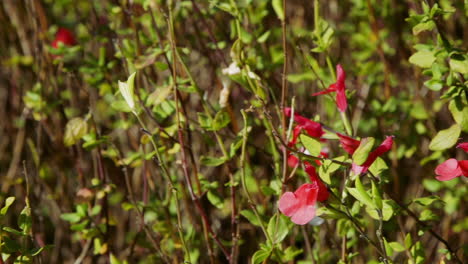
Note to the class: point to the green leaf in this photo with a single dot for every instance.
(250, 215)
(362, 152)
(215, 200)
(8, 202)
(13, 231)
(408, 241)
(127, 89)
(261, 255)
(290, 253)
(432, 185)
(387, 211)
(460, 66)
(446, 138)
(277, 228)
(159, 95)
(459, 112)
(423, 26)
(376, 196)
(24, 220)
(278, 7)
(329, 167)
(221, 120)
(212, 161)
(361, 196)
(311, 144)
(71, 217)
(423, 58)
(396, 246)
(426, 201)
(205, 121)
(75, 129)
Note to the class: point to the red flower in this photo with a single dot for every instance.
(451, 169)
(64, 36)
(463, 146)
(349, 144)
(301, 204)
(322, 189)
(379, 151)
(312, 128)
(339, 88)
(293, 161)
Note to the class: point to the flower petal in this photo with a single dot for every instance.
(341, 101)
(448, 170)
(322, 194)
(463, 164)
(288, 204)
(348, 144)
(463, 146)
(304, 215)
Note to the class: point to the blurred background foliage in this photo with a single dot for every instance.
(84, 175)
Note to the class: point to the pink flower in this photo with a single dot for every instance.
(312, 128)
(64, 36)
(463, 146)
(379, 151)
(301, 204)
(339, 88)
(451, 169)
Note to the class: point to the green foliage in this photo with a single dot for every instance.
(184, 161)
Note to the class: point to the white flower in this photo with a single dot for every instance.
(232, 69)
(126, 89)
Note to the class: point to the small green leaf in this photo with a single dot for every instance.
(376, 196)
(24, 220)
(459, 112)
(127, 89)
(71, 217)
(446, 138)
(277, 228)
(460, 66)
(362, 152)
(250, 216)
(261, 255)
(8, 202)
(75, 129)
(408, 241)
(396, 246)
(278, 7)
(423, 26)
(212, 161)
(423, 58)
(387, 211)
(221, 120)
(311, 144)
(426, 201)
(13, 231)
(205, 121)
(215, 200)
(362, 197)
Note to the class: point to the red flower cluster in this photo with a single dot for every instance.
(64, 36)
(453, 168)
